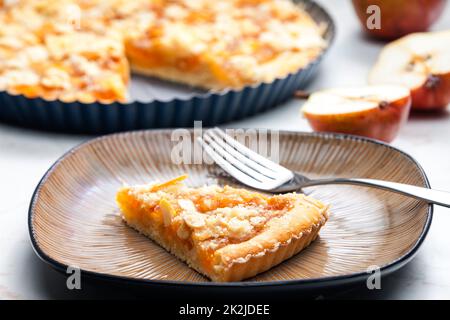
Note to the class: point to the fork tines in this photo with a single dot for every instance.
(242, 163)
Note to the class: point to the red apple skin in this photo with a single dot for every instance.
(400, 17)
(433, 95)
(382, 123)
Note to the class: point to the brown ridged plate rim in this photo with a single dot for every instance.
(311, 283)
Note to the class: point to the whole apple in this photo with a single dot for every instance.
(399, 17)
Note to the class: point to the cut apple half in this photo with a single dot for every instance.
(421, 62)
(372, 111)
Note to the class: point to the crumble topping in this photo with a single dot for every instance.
(212, 215)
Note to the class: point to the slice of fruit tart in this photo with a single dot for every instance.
(225, 233)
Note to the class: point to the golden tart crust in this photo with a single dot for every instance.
(227, 234)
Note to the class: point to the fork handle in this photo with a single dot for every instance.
(441, 198)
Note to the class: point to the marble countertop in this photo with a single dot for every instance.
(25, 155)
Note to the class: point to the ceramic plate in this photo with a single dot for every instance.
(74, 220)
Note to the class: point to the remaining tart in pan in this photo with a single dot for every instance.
(211, 44)
(225, 44)
(227, 234)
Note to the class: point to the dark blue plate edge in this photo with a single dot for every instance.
(301, 284)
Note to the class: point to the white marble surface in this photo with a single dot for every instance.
(25, 155)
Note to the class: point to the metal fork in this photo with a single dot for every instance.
(253, 170)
